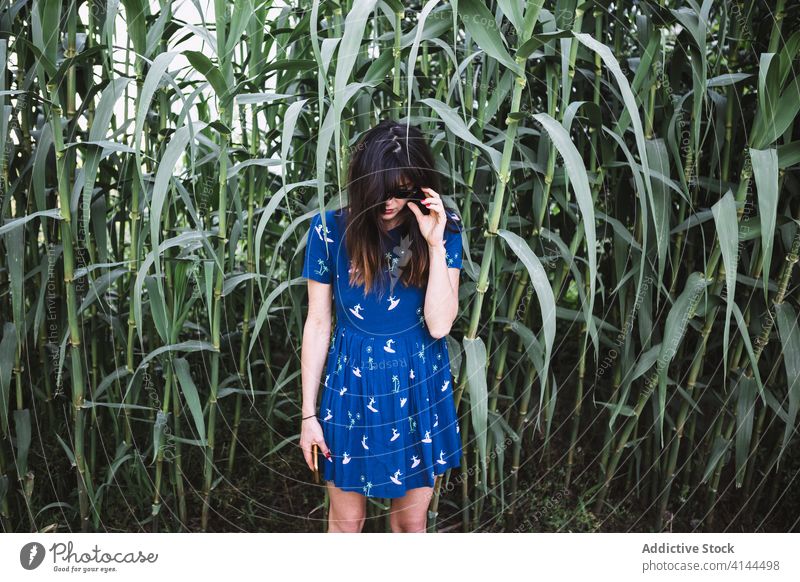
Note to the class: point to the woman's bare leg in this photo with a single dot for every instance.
(409, 513)
(348, 510)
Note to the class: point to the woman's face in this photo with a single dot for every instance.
(393, 206)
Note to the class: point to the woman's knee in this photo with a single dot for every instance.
(345, 522)
(347, 510)
(408, 524)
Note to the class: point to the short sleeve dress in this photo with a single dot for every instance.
(387, 411)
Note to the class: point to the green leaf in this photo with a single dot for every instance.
(158, 308)
(674, 329)
(790, 337)
(8, 350)
(765, 173)
(149, 88)
(205, 67)
(544, 294)
(190, 394)
(632, 109)
(724, 217)
(114, 376)
(242, 13)
(745, 404)
(456, 125)
(658, 155)
(475, 353)
(15, 245)
(264, 309)
(718, 450)
(17, 222)
(22, 432)
(579, 179)
(200, 236)
(482, 25)
(166, 167)
(749, 347)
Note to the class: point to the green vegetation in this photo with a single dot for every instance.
(627, 356)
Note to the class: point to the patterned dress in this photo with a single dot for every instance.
(387, 410)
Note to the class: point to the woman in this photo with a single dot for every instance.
(387, 424)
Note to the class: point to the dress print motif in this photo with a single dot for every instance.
(387, 410)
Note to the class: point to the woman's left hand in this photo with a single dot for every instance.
(431, 225)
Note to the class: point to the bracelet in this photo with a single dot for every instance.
(311, 416)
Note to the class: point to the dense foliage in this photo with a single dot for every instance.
(627, 176)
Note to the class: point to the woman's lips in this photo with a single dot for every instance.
(388, 211)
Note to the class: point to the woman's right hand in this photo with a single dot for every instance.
(311, 433)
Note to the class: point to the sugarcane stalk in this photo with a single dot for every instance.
(216, 325)
(531, 15)
(251, 187)
(133, 267)
(516, 452)
(397, 102)
(675, 442)
(78, 383)
(760, 344)
(577, 239)
(156, 505)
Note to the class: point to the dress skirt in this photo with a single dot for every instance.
(387, 411)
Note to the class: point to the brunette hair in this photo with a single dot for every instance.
(383, 158)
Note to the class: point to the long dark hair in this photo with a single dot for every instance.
(382, 160)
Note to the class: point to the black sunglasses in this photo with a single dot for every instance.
(413, 193)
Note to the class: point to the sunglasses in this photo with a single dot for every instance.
(412, 193)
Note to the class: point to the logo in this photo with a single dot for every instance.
(31, 555)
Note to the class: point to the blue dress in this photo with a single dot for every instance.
(387, 411)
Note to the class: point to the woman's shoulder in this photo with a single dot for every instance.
(454, 224)
(333, 218)
(330, 214)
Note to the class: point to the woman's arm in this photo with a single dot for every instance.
(316, 338)
(441, 297)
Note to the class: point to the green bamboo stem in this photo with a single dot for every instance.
(251, 268)
(226, 115)
(523, 422)
(133, 266)
(760, 344)
(775, 30)
(697, 363)
(177, 466)
(675, 443)
(531, 15)
(644, 396)
(156, 505)
(397, 73)
(78, 384)
(577, 239)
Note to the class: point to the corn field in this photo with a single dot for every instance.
(626, 356)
